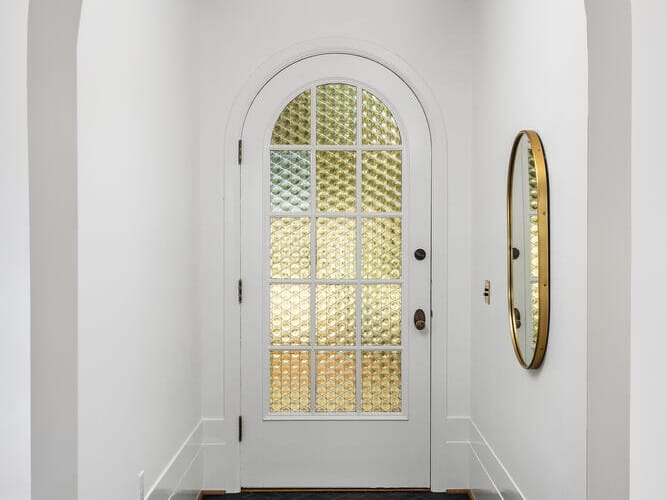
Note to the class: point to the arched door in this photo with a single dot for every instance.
(335, 239)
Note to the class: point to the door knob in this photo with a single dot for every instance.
(420, 319)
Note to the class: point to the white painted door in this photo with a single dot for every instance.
(335, 191)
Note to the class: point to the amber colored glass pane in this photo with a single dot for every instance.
(336, 114)
(336, 248)
(335, 381)
(381, 381)
(290, 247)
(290, 381)
(532, 180)
(378, 126)
(381, 248)
(336, 312)
(290, 314)
(290, 181)
(535, 311)
(381, 314)
(534, 247)
(336, 174)
(381, 181)
(293, 124)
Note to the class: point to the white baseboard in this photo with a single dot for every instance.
(471, 463)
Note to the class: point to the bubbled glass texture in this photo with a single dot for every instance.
(290, 314)
(381, 314)
(532, 181)
(381, 248)
(381, 181)
(319, 317)
(290, 181)
(335, 309)
(335, 381)
(336, 248)
(534, 247)
(290, 247)
(378, 123)
(381, 381)
(336, 114)
(535, 310)
(293, 125)
(336, 173)
(290, 381)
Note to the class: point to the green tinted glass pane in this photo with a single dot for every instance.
(378, 124)
(293, 124)
(290, 247)
(336, 173)
(381, 248)
(290, 181)
(336, 248)
(381, 314)
(336, 313)
(335, 381)
(336, 114)
(290, 314)
(381, 180)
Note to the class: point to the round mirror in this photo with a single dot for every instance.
(528, 249)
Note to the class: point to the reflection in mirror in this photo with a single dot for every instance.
(528, 247)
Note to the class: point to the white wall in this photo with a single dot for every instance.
(531, 74)
(434, 39)
(648, 434)
(138, 342)
(14, 254)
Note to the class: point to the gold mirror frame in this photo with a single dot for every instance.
(543, 251)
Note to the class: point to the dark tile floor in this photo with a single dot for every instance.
(340, 495)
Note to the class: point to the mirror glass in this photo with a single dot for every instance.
(528, 249)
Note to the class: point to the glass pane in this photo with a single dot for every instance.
(290, 247)
(532, 180)
(381, 315)
(290, 314)
(381, 381)
(290, 181)
(534, 247)
(378, 124)
(336, 181)
(381, 248)
(336, 384)
(290, 381)
(336, 307)
(381, 180)
(336, 114)
(293, 124)
(336, 248)
(535, 310)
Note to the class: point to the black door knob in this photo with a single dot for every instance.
(420, 319)
(420, 254)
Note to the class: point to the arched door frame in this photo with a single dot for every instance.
(231, 228)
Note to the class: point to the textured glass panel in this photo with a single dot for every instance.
(532, 180)
(378, 126)
(381, 181)
(336, 114)
(381, 314)
(335, 381)
(381, 381)
(293, 124)
(336, 322)
(534, 247)
(290, 247)
(290, 181)
(381, 248)
(290, 381)
(336, 248)
(290, 314)
(535, 310)
(336, 181)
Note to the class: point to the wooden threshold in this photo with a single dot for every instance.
(325, 490)
(470, 494)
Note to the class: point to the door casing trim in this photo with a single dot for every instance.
(232, 251)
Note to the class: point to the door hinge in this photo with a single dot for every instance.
(240, 291)
(240, 151)
(240, 428)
